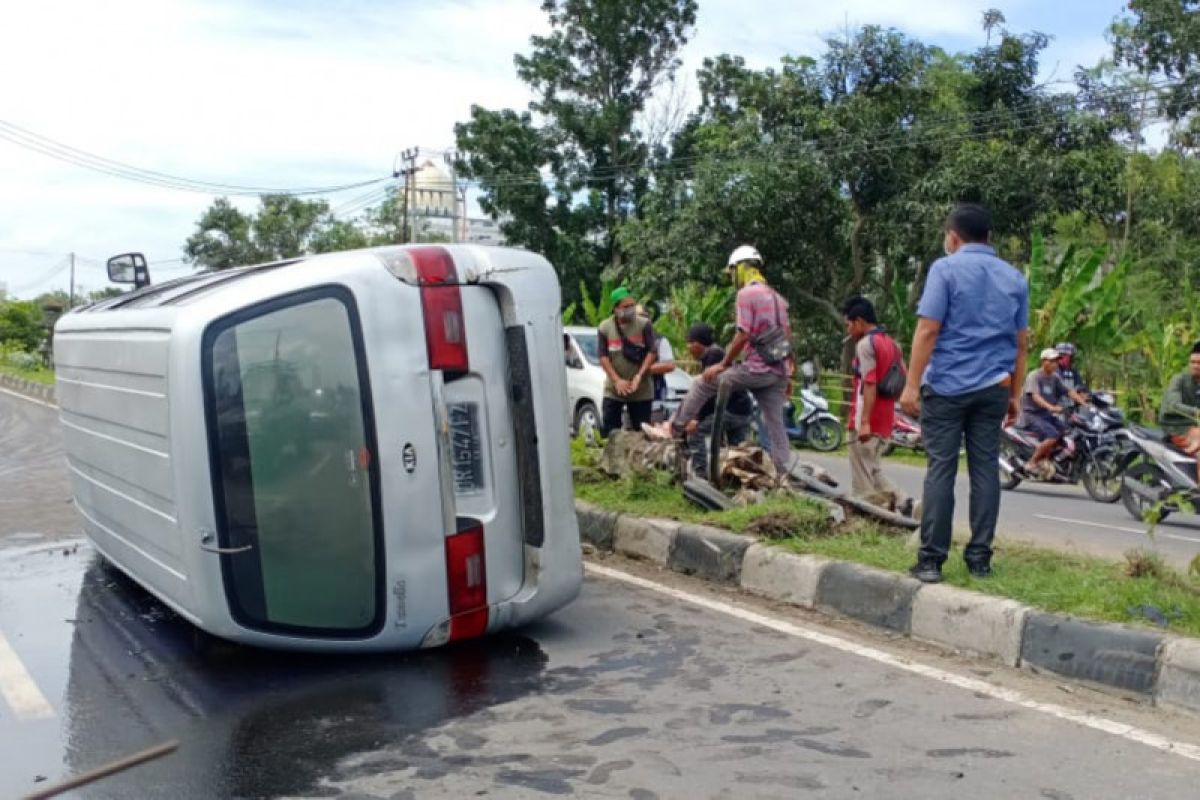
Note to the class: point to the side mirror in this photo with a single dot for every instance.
(129, 268)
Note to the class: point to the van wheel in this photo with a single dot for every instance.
(587, 422)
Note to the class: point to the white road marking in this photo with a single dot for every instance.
(23, 695)
(1133, 734)
(20, 396)
(1139, 531)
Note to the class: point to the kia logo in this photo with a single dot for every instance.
(410, 458)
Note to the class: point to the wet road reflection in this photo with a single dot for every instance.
(251, 723)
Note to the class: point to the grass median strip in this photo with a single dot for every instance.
(1143, 590)
(44, 376)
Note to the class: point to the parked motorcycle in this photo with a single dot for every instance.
(1155, 473)
(813, 424)
(906, 433)
(1088, 454)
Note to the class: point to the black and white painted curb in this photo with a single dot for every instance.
(38, 391)
(1138, 662)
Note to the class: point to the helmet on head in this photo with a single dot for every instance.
(744, 253)
(1065, 349)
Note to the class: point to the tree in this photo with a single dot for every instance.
(563, 183)
(284, 226)
(21, 325)
(222, 238)
(1162, 40)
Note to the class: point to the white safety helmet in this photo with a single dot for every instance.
(1049, 354)
(744, 253)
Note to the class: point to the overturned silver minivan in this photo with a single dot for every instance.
(353, 451)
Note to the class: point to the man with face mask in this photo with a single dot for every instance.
(965, 379)
(627, 351)
(764, 330)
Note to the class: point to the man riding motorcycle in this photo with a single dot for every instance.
(1066, 370)
(1180, 412)
(1041, 403)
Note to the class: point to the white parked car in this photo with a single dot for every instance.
(585, 382)
(352, 451)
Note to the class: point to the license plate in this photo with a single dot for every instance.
(466, 449)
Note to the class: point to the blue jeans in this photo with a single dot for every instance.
(945, 421)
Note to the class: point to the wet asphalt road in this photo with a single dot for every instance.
(627, 693)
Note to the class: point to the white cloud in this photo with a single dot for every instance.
(294, 93)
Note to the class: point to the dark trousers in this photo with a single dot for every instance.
(639, 413)
(945, 422)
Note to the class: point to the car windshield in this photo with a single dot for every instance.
(587, 343)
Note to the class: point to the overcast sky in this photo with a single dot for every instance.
(290, 93)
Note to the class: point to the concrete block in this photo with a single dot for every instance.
(870, 595)
(775, 573)
(649, 539)
(977, 623)
(709, 553)
(1112, 655)
(597, 527)
(1179, 675)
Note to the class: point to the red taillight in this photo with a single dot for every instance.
(441, 304)
(466, 579)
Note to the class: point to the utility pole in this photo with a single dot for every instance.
(410, 157)
(71, 301)
(455, 234)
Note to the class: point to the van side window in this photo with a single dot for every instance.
(295, 467)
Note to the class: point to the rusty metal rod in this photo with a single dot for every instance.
(158, 751)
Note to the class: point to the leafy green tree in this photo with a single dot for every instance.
(222, 238)
(1161, 39)
(562, 185)
(21, 325)
(287, 226)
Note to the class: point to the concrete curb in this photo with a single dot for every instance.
(1152, 666)
(1179, 675)
(879, 598)
(771, 572)
(1112, 655)
(38, 391)
(969, 621)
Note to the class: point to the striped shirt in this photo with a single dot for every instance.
(760, 307)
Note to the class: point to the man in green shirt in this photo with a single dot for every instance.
(1180, 411)
(627, 349)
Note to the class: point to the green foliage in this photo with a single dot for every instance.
(563, 186)
(588, 311)
(689, 303)
(21, 325)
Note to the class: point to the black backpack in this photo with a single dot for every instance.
(892, 384)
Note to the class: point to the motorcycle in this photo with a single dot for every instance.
(813, 425)
(906, 433)
(1156, 476)
(1088, 453)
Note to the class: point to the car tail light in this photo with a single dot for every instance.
(466, 578)
(432, 269)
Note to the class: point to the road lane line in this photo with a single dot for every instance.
(20, 396)
(1139, 531)
(1121, 729)
(23, 695)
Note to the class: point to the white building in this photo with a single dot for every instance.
(438, 206)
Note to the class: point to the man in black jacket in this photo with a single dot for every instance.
(739, 411)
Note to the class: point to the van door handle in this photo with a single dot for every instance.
(206, 537)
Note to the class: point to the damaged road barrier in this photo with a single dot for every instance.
(814, 485)
(707, 496)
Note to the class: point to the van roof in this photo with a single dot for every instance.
(174, 291)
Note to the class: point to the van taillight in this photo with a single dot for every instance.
(466, 578)
(441, 304)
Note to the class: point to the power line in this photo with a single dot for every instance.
(51, 148)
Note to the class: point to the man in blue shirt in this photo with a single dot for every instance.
(968, 358)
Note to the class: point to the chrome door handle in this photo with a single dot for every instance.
(206, 537)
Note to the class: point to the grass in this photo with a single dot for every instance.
(45, 376)
(1045, 579)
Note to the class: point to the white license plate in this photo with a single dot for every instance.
(466, 449)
